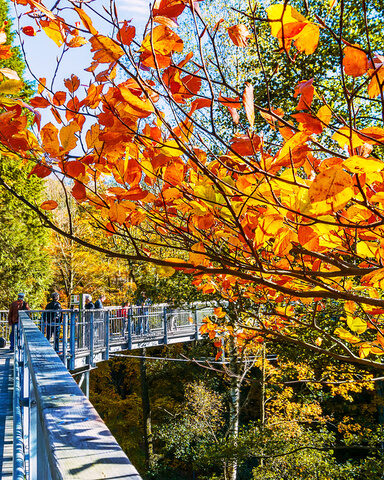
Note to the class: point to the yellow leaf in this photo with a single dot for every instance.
(324, 114)
(308, 39)
(54, 31)
(331, 190)
(67, 136)
(87, 22)
(10, 87)
(345, 335)
(345, 136)
(367, 249)
(281, 14)
(364, 350)
(165, 271)
(358, 164)
(356, 324)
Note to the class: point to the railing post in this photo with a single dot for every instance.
(196, 323)
(130, 328)
(165, 325)
(65, 338)
(72, 340)
(91, 340)
(106, 321)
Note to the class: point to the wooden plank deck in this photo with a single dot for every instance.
(6, 420)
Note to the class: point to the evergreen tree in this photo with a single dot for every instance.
(24, 263)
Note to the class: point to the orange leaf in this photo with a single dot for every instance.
(50, 139)
(245, 145)
(306, 91)
(39, 102)
(48, 205)
(79, 192)
(355, 61)
(86, 21)
(72, 84)
(168, 8)
(239, 35)
(229, 102)
(126, 34)
(106, 50)
(59, 98)
(162, 41)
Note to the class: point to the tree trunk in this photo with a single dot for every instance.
(147, 424)
(234, 410)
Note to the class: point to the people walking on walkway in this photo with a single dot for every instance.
(13, 316)
(99, 304)
(89, 305)
(52, 319)
(143, 313)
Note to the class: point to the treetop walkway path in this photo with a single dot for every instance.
(48, 427)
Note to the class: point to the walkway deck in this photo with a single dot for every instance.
(6, 421)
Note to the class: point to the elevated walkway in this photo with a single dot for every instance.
(6, 415)
(48, 428)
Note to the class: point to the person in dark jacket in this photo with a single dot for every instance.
(89, 305)
(99, 302)
(13, 316)
(52, 319)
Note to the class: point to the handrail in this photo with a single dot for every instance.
(18, 443)
(66, 439)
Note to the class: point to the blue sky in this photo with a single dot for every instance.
(41, 52)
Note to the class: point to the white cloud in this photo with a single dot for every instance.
(134, 7)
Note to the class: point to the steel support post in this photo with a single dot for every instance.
(107, 330)
(165, 323)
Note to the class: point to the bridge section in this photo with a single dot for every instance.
(57, 434)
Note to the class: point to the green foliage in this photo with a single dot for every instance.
(24, 263)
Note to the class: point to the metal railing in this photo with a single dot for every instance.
(58, 434)
(84, 337)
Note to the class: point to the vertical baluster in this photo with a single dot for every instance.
(130, 328)
(65, 339)
(106, 321)
(196, 323)
(165, 325)
(72, 340)
(91, 340)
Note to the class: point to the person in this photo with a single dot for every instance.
(99, 302)
(122, 313)
(143, 313)
(52, 319)
(89, 305)
(13, 316)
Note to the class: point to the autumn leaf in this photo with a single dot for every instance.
(239, 34)
(10, 87)
(79, 192)
(331, 190)
(87, 22)
(345, 335)
(168, 8)
(376, 84)
(72, 84)
(68, 138)
(248, 103)
(30, 31)
(50, 139)
(126, 34)
(106, 50)
(306, 91)
(49, 205)
(355, 61)
(9, 73)
(356, 324)
(161, 42)
(40, 170)
(54, 31)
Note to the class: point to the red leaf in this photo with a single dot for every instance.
(40, 170)
(30, 31)
(79, 192)
(126, 33)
